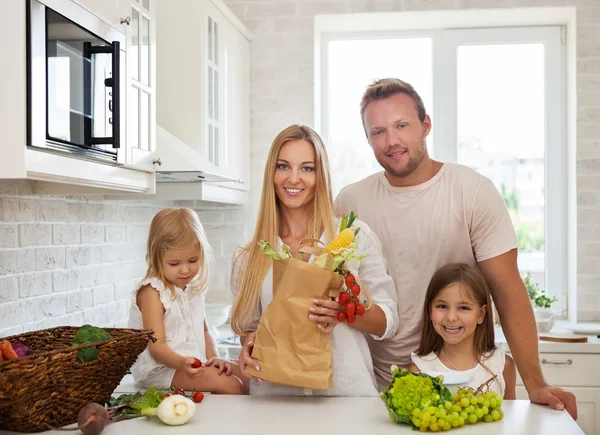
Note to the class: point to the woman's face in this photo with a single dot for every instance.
(295, 176)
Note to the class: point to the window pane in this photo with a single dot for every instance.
(145, 122)
(211, 150)
(501, 134)
(210, 39)
(146, 4)
(216, 42)
(133, 117)
(216, 97)
(348, 76)
(145, 60)
(135, 44)
(210, 94)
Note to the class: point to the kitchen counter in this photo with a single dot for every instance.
(226, 415)
(592, 345)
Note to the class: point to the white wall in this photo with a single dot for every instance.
(69, 260)
(282, 94)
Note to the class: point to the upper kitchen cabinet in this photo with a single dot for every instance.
(114, 12)
(141, 83)
(64, 98)
(203, 110)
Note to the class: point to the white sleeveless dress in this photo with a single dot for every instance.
(184, 331)
(494, 361)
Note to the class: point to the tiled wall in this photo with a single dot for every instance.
(73, 260)
(282, 94)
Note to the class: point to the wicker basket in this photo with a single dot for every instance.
(49, 388)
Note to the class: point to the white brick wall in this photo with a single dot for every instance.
(282, 94)
(75, 260)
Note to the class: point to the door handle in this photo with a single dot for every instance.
(559, 363)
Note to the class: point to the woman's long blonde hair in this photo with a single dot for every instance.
(268, 225)
(175, 228)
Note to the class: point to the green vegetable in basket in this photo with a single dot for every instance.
(89, 334)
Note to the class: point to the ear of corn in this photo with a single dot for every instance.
(342, 240)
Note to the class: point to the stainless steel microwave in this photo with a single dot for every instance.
(75, 81)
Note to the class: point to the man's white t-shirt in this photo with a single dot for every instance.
(456, 216)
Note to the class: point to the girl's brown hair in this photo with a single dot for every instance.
(267, 225)
(176, 228)
(473, 280)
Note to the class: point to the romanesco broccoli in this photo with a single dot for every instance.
(409, 391)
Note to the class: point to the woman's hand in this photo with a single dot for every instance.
(221, 364)
(244, 358)
(187, 367)
(325, 312)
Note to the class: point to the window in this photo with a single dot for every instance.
(497, 101)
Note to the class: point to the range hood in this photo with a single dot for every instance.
(179, 163)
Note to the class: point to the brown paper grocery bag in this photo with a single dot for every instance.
(288, 346)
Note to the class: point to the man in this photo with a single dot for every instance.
(427, 214)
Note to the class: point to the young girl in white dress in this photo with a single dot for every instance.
(458, 331)
(170, 300)
(297, 204)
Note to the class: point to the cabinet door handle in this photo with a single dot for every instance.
(560, 363)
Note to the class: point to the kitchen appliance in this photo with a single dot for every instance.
(74, 81)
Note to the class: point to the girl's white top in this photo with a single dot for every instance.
(184, 331)
(494, 361)
(352, 365)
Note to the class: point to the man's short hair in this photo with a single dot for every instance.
(385, 88)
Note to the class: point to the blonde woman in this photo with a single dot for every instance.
(170, 300)
(297, 204)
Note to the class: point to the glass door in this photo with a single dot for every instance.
(82, 86)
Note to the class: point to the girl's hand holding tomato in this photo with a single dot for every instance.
(190, 367)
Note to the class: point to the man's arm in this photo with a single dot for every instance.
(518, 324)
(516, 315)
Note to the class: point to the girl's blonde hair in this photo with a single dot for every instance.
(473, 280)
(176, 228)
(267, 225)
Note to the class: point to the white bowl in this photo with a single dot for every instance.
(544, 325)
(453, 380)
(216, 315)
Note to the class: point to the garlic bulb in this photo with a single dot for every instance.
(175, 410)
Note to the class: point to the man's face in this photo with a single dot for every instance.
(396, 134)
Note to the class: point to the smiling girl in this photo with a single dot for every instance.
(458, 331)
(170, 301)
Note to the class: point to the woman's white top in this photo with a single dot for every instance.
(352, 365)
(184, 331)
(494, 361)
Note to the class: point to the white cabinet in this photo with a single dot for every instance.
(203, 101)
(578, 374)
(141, 83)
(53, 170)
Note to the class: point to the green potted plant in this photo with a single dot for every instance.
(542, 303)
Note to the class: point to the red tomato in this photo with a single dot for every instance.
(344, 297)
(355, 289)
(349, 308)
(350, 280)
(360, 310)
(351, 318)
(198, 396)
(164, 396)
(341, 316)
(179, 391)
(197, 363)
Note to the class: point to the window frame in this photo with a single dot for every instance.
(455, 28)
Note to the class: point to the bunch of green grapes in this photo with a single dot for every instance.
(467, 407)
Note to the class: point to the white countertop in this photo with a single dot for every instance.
(592, 345)
(228, 415)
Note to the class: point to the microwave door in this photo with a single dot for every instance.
(101, 95)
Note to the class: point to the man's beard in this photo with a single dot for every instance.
(413, 163)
